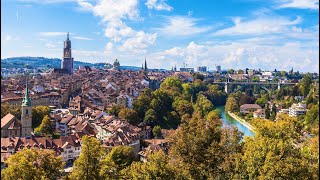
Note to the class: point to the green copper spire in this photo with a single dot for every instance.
(26, 101)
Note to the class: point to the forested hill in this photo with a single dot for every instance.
(39, 62)
(43, 62)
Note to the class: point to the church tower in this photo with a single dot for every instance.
(145, 64)
(26, 114)
(67, 60)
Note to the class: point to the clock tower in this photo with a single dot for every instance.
(67, 60)
(26, 114)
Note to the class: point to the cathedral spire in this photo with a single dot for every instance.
(145, 64)
(26, 101)
(68, 36)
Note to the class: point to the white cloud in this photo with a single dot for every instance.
(251, 53)
(113, 13)
(47, 34)
(182, 26)
(139, 42)
(82, 38)
(158, 5)
(299, 4)
(112, 10)
(261, 25)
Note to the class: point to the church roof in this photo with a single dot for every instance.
(9, 118)
(26, 101)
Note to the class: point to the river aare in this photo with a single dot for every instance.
(229, 121)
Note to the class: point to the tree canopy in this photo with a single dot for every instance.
(33, 163)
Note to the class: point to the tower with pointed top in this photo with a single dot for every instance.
(67, 59)
(26, 114)
(145, 64)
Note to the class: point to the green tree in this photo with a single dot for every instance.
(115, 109)
(232, 104)
(130, 115)
(38, 113)
(272, 153)
(88, 166)
(198, 76)
(142, 104)
(305, 85)
(151, 116)
(162, 102)
(158, 167)
(202, 149)
(156, 131)
(262, 101)
(311, 119)
(33, 163)
(203, 105)
(116, 160)
(6, 108)
(172, 86)
(182, 107)
(45, 127)
(267, 111)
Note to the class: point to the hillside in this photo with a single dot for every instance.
(39, 62)
(43, 62)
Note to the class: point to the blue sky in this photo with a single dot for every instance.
(273, 34)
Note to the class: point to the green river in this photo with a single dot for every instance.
(229, 121)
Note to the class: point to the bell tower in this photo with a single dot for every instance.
(26, 114)
(67, 60)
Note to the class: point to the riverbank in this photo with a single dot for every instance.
(242, 121)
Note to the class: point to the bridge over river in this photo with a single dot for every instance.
(261, 84)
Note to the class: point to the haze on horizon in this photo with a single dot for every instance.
(275, 34)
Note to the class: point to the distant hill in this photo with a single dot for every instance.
(42, 62)
(39, 62)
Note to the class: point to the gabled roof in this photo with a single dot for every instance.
(7, 119)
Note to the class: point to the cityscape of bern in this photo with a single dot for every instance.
(159, 89)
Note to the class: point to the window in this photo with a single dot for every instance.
(27, 111)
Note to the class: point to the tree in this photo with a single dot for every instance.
(156, 131)
(267, 111)
(305, 85)
(182, 107)
(262, 101)
(311, 119)
(130, 115)
(273, 112)
(198, 76)
(33, 164)
(158, 166)
(115, 109)
(6, 108)
(172, 86)
(202, 149)
(38, 113)
(116, 160)
(245, 99)
(45, 127)
(232, 104)
(150, 116)
(87, 166)
(142, 104)
(272, 154)
(162, 102)
(203, 105)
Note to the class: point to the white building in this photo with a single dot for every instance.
(297, 109)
